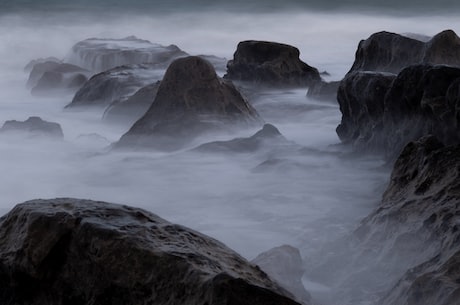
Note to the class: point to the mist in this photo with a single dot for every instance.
(307, 199)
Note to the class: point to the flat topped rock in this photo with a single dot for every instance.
(98, 54)
(191, 100)
(270, 63)
(72, 251)
(33, 126)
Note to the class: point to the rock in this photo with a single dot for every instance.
(50, 76)
(361, 99)
(34, 62)
(99, 55)
(34, 127)
(72, 251)
(114, 85)
(271, 64)
(131, 109)
(390, 52)
(268, 136)
(322, 90)
(191, 100)
(284, 264)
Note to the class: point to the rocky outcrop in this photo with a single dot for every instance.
(270, 64)
(129, 110)
(268, 136)
(284, 264)
(390, 52)
(51, 76)
(33, 127)
(70, 251)
(421, 100)
(96, 54)
(191, 100)
(322, 90)
(114, 85)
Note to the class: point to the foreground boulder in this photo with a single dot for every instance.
(390, 52)
(271, 64)
(96, 54)
(191, 101)
(71, 251)
(33, 127)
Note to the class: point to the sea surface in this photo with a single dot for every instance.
(312, 199)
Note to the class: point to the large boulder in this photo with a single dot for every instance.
(191, 100)
(390, 52)
(77, 252)
(271, 64)
(96, 54)
(33, 127)
(51, 76)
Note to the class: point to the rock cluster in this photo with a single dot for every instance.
(76, 252)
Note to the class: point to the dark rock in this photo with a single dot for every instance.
(131, 109)
(268, 136)
(390, 52)
(114, 85)
(361, 99)
(271, 64)
(284, 264)
(191, 100)
(71, 251)
(322, 90)
(33, 126)
(103, 54)
(51, 76)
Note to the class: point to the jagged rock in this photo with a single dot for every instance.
(70, 251)
(117, 84)
(268, 136)
(284, 264)
(361, 99)
(99, 55)
(50, 76)
(191, 100)
(270, 63)
(131, 109)
(390, 52)
(33, 126)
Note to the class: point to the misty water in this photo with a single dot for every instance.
(315, 197)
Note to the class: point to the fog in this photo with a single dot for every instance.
(307, 200)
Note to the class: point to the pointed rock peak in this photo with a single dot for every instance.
(268, 131)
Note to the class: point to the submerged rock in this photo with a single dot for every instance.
(71, 251)
(191, 100)
(270, 63)
(34, 127)
(99, 55)
(268, 136)
(284, 264)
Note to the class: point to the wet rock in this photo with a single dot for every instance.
(33, 127)
(99, 55)
(284, 264)
(50, 76)
(191, 101)
(129, 110)
(268, 136)
(114, 85)
(271, 64)
(72, 251)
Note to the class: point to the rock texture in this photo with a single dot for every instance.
(271, 64)
(78, 252)
(284, 264)
(390, 52)
(191, 100)
(268, 136)
(421, 100)
(33, 127)
(96, 54)
(51, 76)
